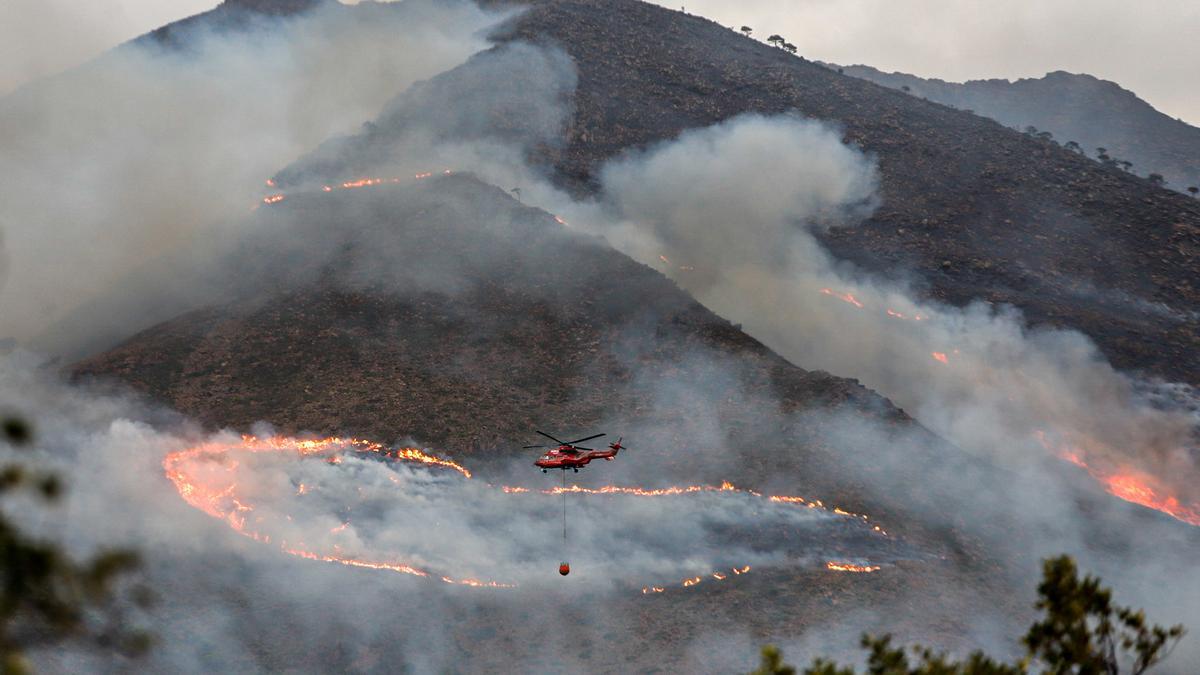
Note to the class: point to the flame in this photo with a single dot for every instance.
(223, 502)
(560, 221)
(941, 356)
(844, 297)
(224, 505)
(851, 567)
(1128, 483)
(353, 184)
(663, 258)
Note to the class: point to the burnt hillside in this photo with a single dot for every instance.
(971, 209)
(448, 311)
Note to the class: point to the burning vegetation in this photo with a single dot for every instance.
(205, 477)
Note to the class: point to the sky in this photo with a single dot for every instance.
(1147, 47)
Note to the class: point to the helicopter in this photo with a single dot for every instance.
(568, 455)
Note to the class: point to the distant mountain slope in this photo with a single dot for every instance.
(1092, 112)
(971, 209)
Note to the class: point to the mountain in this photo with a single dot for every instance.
(442, 308)
(1092, 112)
(971, 210)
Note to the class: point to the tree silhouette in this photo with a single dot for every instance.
(1157, 179)
(1072, 145)
(747, 30)
(47, 596)
(1193, 190)
(1081, 632)
(792, 49)
(776, 40)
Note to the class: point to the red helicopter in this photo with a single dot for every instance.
(567, 455)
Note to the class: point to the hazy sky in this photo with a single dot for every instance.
(1149, 47)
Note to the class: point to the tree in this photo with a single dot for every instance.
(1126, 164)
(1072, 145)
(747, 30)
(1193, 190)
(776, 40)
(47, 597)
(772, 663)
(1102, 154)
(1045, 135)
(1083, 629)
(1157, 179)
(791, 48)
(1031, 130)
(1081, 632)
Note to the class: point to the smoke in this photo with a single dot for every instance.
(729, 212)
(213, 585)
(124, 174)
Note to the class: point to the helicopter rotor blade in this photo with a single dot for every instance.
(580, 440)
(552, 438)
(526, 447)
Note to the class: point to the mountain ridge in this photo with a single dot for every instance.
(1074, 107)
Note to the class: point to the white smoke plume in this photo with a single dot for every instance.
(121, 173)
(731, 211)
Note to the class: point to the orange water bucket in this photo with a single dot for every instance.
(564, 568)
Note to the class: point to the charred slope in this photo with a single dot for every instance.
(1092, 112)
(970, 208)
(448, 311)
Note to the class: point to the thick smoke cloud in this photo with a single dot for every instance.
(732, 209)
(121, 175)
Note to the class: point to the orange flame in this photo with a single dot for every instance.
(844, 297)
(851, 567)
(1128, 483)
(941, 356)
(223, 502)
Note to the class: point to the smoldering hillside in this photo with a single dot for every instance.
(439, 310)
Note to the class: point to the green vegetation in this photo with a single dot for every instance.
(49, 597)
(1081, 632)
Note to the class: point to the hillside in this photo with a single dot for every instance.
(1094, 113)
(472, 342)
(441, 310)
(971, 209)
